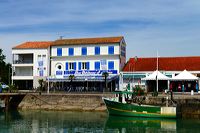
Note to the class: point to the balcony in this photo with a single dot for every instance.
(21, 73)
(23, 59)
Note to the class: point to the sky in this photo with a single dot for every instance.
(171, 27)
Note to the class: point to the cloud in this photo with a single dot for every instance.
(171, 26)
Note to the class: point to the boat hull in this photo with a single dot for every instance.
(135, 110)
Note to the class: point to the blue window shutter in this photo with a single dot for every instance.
(110, 65)
(97, 65)
(111, 50)
(79, 66)
(71, 51)
(97, 50)
(84, 50)
(88, 65)
(59, 51)
(66, 66)
(74, 65)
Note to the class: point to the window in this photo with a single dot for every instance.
(71, 51)
(40, 63)
(84, 50)
(44, 56)
(110, 49)
(110, 65)
(87, 65)
(59, 72)
(59, 67)
(97, 65)
(97, 50)
(72, 66)
(123, 51)
(39, 58)
(59, 51)
(41, 73)
(83, 66)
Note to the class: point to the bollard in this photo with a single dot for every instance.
(192, 92)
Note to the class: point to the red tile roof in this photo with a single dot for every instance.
(165, 64)
(102, 40)
(33, 45)
(82, 41)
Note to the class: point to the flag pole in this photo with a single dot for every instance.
(157, 73)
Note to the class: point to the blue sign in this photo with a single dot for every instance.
(40, 63)
(58, 72)
(86, 72)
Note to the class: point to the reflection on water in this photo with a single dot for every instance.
(136, 124)
(90, 122)
(48, 121)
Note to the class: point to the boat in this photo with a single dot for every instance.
(121, 107)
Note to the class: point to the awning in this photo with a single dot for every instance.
(156, 74)
(83, 78)
(185, 75)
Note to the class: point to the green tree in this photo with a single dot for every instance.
(2, 57)
(105, 75)
(5, 69)
(71, 78)
(41, 82)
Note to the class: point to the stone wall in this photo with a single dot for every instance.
(79, 102)
(187, 106)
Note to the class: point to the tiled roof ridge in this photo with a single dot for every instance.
(166, 57)
(191, 63)
(33, 45)
(106, 37)
(94, 40)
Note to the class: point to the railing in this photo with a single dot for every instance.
(22, 74)
(23, 62)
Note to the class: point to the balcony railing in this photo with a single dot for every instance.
(22, 74)
(22, 62)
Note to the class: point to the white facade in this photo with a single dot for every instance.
(90, 57)
(58, 62)
(26, 64)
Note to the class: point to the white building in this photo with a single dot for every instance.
(30, 63)
(85, 58)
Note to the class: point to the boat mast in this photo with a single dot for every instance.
(157, 73)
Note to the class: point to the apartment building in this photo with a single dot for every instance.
(84, 58)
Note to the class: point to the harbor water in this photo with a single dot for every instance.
(88, 122)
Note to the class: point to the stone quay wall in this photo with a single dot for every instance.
(187, 106)
(64, 102)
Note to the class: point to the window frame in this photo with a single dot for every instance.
(71, 66)
(83, 65)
